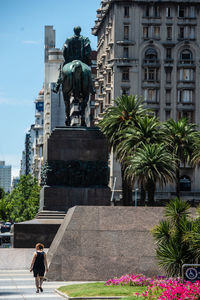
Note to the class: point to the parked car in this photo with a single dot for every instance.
(6, 227)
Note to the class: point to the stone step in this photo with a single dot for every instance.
(48, 214)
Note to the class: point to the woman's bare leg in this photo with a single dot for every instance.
(41, 282)
(37, 283)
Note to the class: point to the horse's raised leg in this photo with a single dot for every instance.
(67, 110)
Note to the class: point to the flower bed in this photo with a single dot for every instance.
(160, 288)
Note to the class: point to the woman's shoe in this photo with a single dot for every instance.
(37, 291)
(41, 289)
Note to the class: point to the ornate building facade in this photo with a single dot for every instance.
(151, 49)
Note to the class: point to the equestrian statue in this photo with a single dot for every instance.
(75, 74)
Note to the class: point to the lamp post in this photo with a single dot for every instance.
(136, 190)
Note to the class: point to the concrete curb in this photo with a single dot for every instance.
(87, 298)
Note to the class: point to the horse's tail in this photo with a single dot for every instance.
(77, 80)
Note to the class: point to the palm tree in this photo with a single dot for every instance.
(196, 150)
(125, 112)
(180, 137)
(146, 131)
(172, 248)
(193, 236)
(151, 164)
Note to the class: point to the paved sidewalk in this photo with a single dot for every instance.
(17, 283)
(20, 284)
(16, 258)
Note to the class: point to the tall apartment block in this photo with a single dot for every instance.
(54, 108)
(32, 156)
(151, 49)
(5, 176)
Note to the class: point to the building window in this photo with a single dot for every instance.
(101, 89)
(192, 13)
(169, 53)
(147, 11)
(125, 52)
(167, 114)
(191, 32)
(151, 95)
(186, 57)
(185, 184)
(181, 33)
(186, 114)
(156, 12)
(168, 75)
(168, 12)
(168, 96)
(125, 91)
(101, 107)
(109, 98)
(125, 74)
(151, 55)
(169, 33)
(156, 32)
(126, 11)
(126, 32)
(181, 11)
(186, 74)
(145, 32)
(150, 74)
(109, 77)
(185, 96)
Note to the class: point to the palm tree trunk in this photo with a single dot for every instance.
(126, 190)
(142, 195)
(151, 187)
(178, 182)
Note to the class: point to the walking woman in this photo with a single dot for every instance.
(38, 266)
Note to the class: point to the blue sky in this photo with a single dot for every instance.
(22, 60)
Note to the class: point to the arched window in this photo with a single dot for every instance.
(185, 183)
(151, 54)
(186, 55)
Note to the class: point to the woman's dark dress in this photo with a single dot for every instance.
(39, 267)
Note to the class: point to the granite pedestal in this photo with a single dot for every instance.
(99, 243)
(75, 172)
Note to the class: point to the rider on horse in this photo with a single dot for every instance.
(76, 47)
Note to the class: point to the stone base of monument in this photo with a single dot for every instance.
(75, 173)
(63, 198)
(98, 243)
(28, 234)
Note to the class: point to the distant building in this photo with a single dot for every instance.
(54, 107)
(32, 156)
(5, 176)
(15, 182)
(37, 147)
(151, 49)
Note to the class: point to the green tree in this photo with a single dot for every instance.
(180, 137)
(23, 202)
(126, 110)
(2, 193)
(173, 249)
(151, 164)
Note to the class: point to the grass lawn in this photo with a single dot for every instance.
(99, 289)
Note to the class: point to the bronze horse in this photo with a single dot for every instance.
(77, 82)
